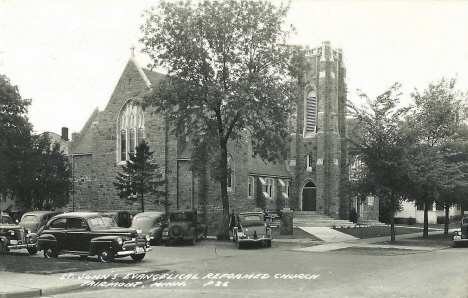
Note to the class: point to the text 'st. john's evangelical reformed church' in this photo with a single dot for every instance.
(311, 179)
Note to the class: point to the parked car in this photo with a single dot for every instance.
(86, 234)
(122, 218)
(150, 223)
(461, 237)
(184, 225)
(251, 227)
(13, 236)
(34, 220)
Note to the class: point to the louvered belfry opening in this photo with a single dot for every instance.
(311, 123)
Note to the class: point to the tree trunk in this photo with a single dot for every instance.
(447, 218)
(392, 220)
(426, 219)
(224, 232)
(142, 203)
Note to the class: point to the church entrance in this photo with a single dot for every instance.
(309, 199)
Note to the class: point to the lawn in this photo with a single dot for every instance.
(24, 263)
(372, 232)
(297, 234)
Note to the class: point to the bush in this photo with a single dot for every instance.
(353, 216)
(440, 219)
(456, 217)
(405, 220)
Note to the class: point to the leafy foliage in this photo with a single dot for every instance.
(381, 145)
(227, 78)
(15, 133)
(140, 178)
(43, 178)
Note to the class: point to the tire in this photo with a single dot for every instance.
(156, 242)
(105, 255)
(240, 245)
(205, 234)
(50, 253)
(456, 244)
(176, 231)
(84, 257)
(193, 241)
(138, 257)
(32, 250)
(268, 243)
(168, 242)
(3, 249)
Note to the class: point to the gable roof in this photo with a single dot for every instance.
(82, 141)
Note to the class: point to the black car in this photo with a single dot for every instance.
(184, 225)
(86, 234)
(13, 236)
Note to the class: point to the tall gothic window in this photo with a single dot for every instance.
(311, 113)
(132, 128)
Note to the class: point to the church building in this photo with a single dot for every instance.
(311, 179)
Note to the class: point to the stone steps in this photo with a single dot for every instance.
(315, 219)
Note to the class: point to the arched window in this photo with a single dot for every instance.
(230, 173)
(131, 125)
(311, 113)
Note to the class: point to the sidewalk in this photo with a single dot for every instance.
(369, 242)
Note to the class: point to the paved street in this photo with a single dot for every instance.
(211, 269)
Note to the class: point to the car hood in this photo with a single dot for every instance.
(30, 225)
(7, 226)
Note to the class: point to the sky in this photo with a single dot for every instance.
(67, 56)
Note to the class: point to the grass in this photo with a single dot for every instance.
(372, 232)
(24, 263)
(436, 240)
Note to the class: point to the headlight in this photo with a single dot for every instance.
(29, 231)
(147, 238)
(12, 233)
(119, 241)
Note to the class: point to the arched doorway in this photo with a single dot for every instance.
(309, 199)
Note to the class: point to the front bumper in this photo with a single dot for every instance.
(252, 239)
(138, 250)
(20, 246)
(165, 238)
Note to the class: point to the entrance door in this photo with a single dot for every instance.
(309, 200)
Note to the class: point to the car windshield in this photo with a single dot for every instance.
(141, 222)
(252, 218)
(96, 223)
(181, 216)
(29, 217)
(7, 220)
(109, 221)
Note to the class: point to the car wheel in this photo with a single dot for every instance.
(156, 242)
(456, 244)
(105, 255)
(194, 239)
(138, 257)
(32, 250)
(168, 242)
(2, 248)
(49, 253)
(240, 245)
(268, 243)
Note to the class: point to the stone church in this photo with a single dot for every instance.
(311, 179)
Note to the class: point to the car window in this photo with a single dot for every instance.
(7, 220)
(96, 223)
(252, 217)
(142, 218)
(29, 217)
(58, 224)
(76, 224)
(109, 221)
(181, 216)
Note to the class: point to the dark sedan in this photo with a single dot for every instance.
(86, 234)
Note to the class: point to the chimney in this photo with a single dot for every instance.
(65, 133)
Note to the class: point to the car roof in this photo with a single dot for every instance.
(149, 213)
(40, 212)
(78, 214)
(251, 213)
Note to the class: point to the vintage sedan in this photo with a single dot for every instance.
(251, 227)
(184, 225)
(34, 220)
(460, 237)
(13, 236)
(86, 234)
(150, 223)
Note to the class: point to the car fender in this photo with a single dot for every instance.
(156, 232)
(48, 239)
(109, 241)
(4, 239)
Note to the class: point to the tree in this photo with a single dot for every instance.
(43, 179)
(140, 178)
(15, 133)
(227, 79)
(436, 118)
(381, 145)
